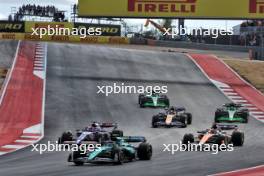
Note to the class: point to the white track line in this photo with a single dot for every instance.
(23, 141)
(3, 90)
(2, 153)
(231, 93)
(235, 97)
(13, 146)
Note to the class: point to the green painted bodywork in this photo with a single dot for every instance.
(227, 119)
(232, 117)
(155, 102)
(120, 142)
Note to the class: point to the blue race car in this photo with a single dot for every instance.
(93, 132)
(115, 152)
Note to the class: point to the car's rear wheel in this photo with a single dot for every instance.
(188, 138)
(140, 98)
(216, 119)
(237, 138)
(66, 136)
(155, 119)
(167, 102)
(245, 117)
(141, 104)
(183, 120)
(144, 151)
(220, 113)
(189, 118)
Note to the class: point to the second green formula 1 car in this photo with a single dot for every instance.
(232, 112)
(153, 100)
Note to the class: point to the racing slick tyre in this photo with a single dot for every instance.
(167, 102)
(245, 115)
(188, 138)
(141, 104)
(245, 119)
(116, 133)
(144, 151)
(237, 138)
(183, 120)
(155, 119)
(189, 118)
(75, 156)
(66, 136)
(140, 98)
(119, 157)
(219, 113)
(216, 119)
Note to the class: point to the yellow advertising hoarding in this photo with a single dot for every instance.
(30, 24)
(235, 9)
(68, 38)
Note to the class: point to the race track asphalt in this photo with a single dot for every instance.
(73, 74)
(7, 51)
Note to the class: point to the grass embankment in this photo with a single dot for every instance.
(251, 71)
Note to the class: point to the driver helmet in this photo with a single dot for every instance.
(214, 126)
(172, 110)
(95, 126)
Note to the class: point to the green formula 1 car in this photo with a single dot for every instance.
(116, 152)
(232, 112)
(153, 100)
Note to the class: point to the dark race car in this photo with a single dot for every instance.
(93, 132)
(118, 151)
(231, 112)
(153, 100)
(219, 135)
(173, 117)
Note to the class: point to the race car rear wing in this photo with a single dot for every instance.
(108, 125)
(134, 138)
(227, 126)
(82, 142)
(237, 105)
(222, 127)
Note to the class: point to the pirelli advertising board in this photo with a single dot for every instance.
(10, 26)
(235, 9)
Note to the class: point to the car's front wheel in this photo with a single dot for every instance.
(144, 151)
(75, 156)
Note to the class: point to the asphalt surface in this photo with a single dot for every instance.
(218, 53)
(7, 51)
(75, 71)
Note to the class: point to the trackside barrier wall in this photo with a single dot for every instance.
(256, 52)
(26, 27)
(88, 39)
